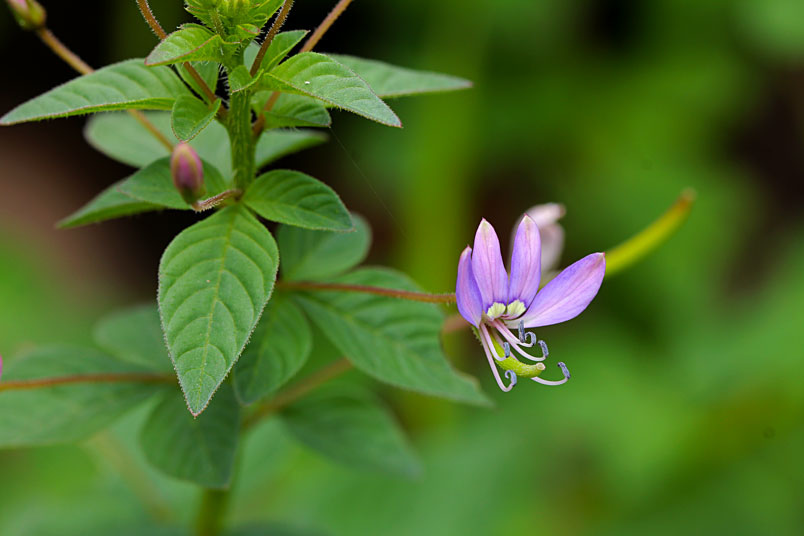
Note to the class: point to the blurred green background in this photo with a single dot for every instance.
(685, 411)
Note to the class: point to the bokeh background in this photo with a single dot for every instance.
(686, 407)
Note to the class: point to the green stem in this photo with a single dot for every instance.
(209, 521)
(241, 139)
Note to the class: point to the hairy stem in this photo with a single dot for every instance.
(215, 200)
(295, 392)
(209, 521)
(149, 17)
(366, 289)
(325, 25)
(122, 377)
(241, 139)
(69, 57)
(269, 37)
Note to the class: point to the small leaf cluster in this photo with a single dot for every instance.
(223, 324)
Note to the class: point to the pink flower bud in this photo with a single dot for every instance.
(30, 14)
(187, 172)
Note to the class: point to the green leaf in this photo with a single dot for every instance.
(207, 70)
(107, 205)
(275, 144)
(201, 450)
(192, 42)
(123, 138)
(154, 184)
(190, 116)
(66, 412)
(278, 349)
(294, 198)
(279, 48)
(391, 81)
(125, 85)
(395, 341)
(351, 429)
(135, 335)
(292, 111)
(240, 79)
(313, 255)
(319, 76)
(214, 280)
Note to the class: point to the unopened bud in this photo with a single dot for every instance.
(187, 172)
(30, 14)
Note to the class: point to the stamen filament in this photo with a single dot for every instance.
(486, 348)
(564, 370)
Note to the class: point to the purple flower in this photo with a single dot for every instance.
(494, 302)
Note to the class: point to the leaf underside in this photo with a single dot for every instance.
(68, 412)
(200, 450)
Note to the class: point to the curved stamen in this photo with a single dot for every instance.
(546, 352)
(564, 370)
(488, 351)
(502, 330)
(527, 338)
(511, 375)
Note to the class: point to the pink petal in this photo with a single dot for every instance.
(567, 295)
(525, 263)
(488, 267)
(467, 295)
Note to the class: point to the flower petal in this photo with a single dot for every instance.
(467, 295)
(546, 217)
(567, 295)
(488, 267)
(525, 263)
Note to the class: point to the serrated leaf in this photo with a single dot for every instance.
(126, 85)
(154, 184)
(190, 116)
(199, 449)
(214, 280)
(279, 48)
(319, 76)
(66, 412)
(293, 198)
(209, 71)
(351, 429)
(395, 341)
(107, 205)
(391, 81)
(192, 42)
(121, 137)
(292, 111)
(134, 335)
(278, 349)
(275, 144)
(315, 255)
